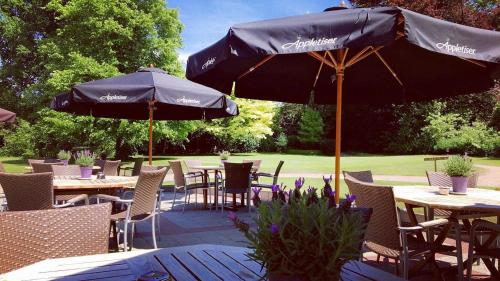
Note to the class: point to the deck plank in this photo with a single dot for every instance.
(218, 268)
(176, 269)
(198, 269)
(235, 266)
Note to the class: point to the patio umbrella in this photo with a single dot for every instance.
(7, 116)
(149, 93)
(379, 55)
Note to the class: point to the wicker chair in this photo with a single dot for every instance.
(255, 165)
(384, 234)
(186, 181)
(99, 163)
(364, 176)
(258, 176)
(484, 251)
(43, 167)
(238, 180)
(190, 164)
(110, 168)
(30, 236)
(136, 169)
(25, 192)
(141, 207)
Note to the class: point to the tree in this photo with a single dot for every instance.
(311, 127)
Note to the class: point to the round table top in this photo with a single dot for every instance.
(74, 182)
(476, 199)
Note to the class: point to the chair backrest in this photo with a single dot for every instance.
(364, 176)
(473, 179)
(25, 192)
(31, 161)
(31, 236)
(110, 168)
(68, 170)
(438, 178)
(278, 169)
(43, 167)
(146, 168)
(100, 163)
(382, 229)
(136, 170)
(191, 163)
(177, 169)
(255, 165)
(237, 176)
(145, 192)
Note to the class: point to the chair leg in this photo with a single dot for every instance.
(458, 239)
(175, 194)
(378, 258)
(132, 237)
(125, 234)
(158, 226)
(153, 231)
(185, 199)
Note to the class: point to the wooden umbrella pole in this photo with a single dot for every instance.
(151, 108)
(338, 121)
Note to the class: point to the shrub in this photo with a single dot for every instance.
(21, 142)
(458, 166)
(281, 142)
(311, 127)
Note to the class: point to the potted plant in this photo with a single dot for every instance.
(64, 156)
(459, 169)
(301, 236)
(85, 159)
(224, 155)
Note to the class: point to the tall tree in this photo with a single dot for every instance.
(311, 127)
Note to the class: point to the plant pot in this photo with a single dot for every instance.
(459, 184)
(65, 162)
(86, 172)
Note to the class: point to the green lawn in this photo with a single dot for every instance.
(405, 165)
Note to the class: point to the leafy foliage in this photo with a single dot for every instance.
(458, 166)
(310, 127)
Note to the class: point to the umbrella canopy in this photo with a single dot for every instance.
(7, 116)
(149, 93)
(376, 55)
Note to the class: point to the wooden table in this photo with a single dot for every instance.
(30, 169)
(475, 204)
(190, 263)
(64, 185)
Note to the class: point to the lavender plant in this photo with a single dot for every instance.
(301, 234)
(85, 158)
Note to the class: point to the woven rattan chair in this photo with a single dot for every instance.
(186, 181)
(31, 161)
(136, 169)
(485, 250)
(191, 163)
(255, 165)
(99, 163)
(141, 207)
(238, 180)
(364, 176)
(27, 237)
(384, 234)
(66, 170)
(43, 167)
(259, 176)
(25, 192)
(110, 168)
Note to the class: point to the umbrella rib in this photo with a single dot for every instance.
(256, 66)
(319, 71)
(388, 67)
(363, 56)
(473, 62)
(333, 59)
(321, 59)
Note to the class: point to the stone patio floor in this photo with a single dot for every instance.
(198, 226)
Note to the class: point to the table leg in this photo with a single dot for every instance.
(413, 219)
(205, 191)
(216, 190)
(430, 216)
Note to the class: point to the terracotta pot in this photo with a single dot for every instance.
(459, 184)
(86, 172)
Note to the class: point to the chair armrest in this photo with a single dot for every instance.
(72, 201)
(113, 198)
(425, 224)
(193, 175)
(264, 175)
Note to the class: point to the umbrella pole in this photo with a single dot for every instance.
(338, 121)
(151, 108)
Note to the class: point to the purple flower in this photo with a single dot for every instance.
(274, 229)
(311, 190)
(299, 182)
(350, 198)
(275, 188)
(232, 216)
(256, 190)
(331, 193)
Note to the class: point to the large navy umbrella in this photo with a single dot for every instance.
(378, 55)
(7, 116)
(149, 93)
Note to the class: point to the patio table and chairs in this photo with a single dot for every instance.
(238, 180)
(187, 181)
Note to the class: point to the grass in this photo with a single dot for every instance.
(309, 162)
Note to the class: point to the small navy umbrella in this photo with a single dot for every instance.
(149, 93)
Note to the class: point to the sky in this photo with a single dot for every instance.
(206, 21)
